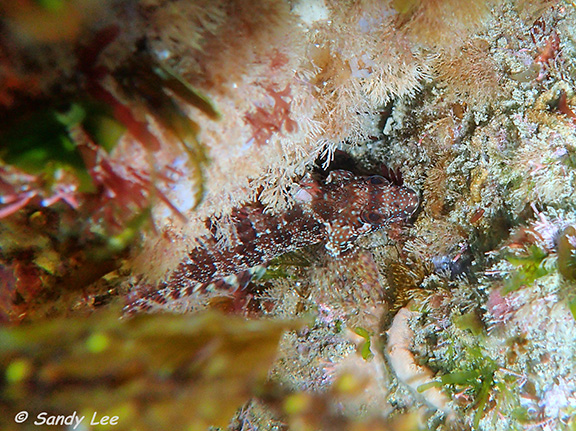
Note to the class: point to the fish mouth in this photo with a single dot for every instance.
(409, 209)
(413, 207)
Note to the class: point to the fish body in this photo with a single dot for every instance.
(334, 211)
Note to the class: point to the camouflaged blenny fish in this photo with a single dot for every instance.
(335, 212)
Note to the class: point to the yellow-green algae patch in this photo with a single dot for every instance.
(133, 368)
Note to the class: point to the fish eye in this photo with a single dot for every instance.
(371, 217)
(377, 180)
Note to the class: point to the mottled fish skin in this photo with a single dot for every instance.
(335, 212)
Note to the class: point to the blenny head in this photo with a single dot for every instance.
(387, 202)
(351, 205)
